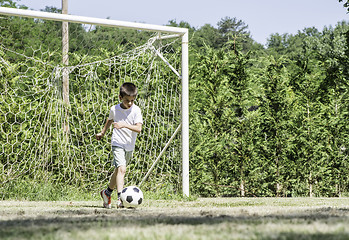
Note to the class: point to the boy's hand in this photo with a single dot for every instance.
(118, 125)
(136, 127)
(99, 136)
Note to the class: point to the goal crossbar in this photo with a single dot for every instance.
(182, 32)
(90, 20)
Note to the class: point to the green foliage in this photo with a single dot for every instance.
(220, 99)
(294, 142)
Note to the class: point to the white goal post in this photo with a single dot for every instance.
(178, 32)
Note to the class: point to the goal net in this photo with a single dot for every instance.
(47, 130)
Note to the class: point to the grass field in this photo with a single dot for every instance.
(203, 218)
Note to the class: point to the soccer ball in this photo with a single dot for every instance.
(131, 196)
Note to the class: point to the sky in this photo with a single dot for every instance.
(263, 17)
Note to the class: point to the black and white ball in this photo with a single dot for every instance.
(131, 196)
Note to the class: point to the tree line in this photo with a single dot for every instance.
(269, 121)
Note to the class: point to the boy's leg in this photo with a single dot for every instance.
(117, 179)
(106, 193)
(120, 178)
(117, 182)
(121, 157)
(112, 183)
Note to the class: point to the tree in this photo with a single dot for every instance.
(231, 29)
(211, 121)
(182, 24)
(222, 126)
(275, 125)
(7, 3)
(207, 35)
(345, 4)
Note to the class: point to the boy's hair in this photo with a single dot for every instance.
(128, 89)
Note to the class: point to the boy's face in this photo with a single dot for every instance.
(127, 101)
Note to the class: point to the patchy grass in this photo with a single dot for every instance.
(203, 218)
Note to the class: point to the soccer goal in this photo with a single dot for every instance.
(57, 89)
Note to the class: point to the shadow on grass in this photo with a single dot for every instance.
(84, 219)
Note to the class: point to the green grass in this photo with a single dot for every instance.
(201, 218)
(30, 190)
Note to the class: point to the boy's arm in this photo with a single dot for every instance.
(105, 128)
(136, 127)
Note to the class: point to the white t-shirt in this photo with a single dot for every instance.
(125, 138)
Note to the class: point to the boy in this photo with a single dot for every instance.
(127, 120)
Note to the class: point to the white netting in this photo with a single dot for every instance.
(33, 115)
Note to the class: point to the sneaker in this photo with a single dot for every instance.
(120, 204)
(106, 199)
